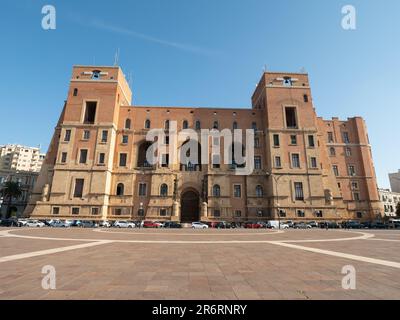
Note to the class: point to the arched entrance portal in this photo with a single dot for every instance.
(190, 206)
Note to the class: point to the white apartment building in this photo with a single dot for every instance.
(20, 158)
(395, 181)
(390, 200)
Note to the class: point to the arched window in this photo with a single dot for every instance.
(259, 191)
(185, 124)
(147, 124)
(127, 123)
(215, 125)
(120, 189)
(216, 190)
(166, 125)
(142, 159)
(198, 125)
(164, 190)
(234, 125)
(75, 92)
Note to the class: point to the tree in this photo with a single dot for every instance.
(9, 191)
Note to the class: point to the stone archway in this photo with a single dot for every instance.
(190, 206)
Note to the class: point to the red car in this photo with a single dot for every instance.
(150, 224)
(252, 225)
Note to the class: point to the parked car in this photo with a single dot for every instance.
(301, 225)
(124, 224)
(34, 223)
(313, 224)
(9, 223)
(199, 225)
(60, 224)
(329, 225)
(276, 224)
(88, 224)
(223, 225)
(105, 224)
(365, 225)
(290, 223)
(160, 224)
(149, 224)
(379, 225)
(251, 225)
(172, 225)
(22, 222)
(352, 225)
(263, 224)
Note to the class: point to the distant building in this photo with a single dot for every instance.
(395, 181)
(20, 158)
(390, 200)
(26, 180)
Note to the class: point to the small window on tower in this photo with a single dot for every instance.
(305, 97)
(75, 92)
(96, 74)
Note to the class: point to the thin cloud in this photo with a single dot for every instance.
(181, 46)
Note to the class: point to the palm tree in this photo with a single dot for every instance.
(10, 190)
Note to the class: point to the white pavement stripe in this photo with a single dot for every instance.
(385, 263)
(194, 234)
(390, 240)
(51, 251)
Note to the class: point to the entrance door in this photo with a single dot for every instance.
(190, 206)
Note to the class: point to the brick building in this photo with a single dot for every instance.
(305, 167)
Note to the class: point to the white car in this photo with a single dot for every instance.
(199, 225)
(22, 222)
(274, 224)
(34, 223)
(124, 224)
(105, 224)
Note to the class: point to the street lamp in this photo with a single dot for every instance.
(276, 179)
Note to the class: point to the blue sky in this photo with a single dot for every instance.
(205, 53)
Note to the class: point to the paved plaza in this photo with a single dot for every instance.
(198, 264)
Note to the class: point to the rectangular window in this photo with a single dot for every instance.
(356, 196)
(352, 170)
(348, 152)
(276, 140)
(90, 112)
(293, 139)
(330, 137)
(335, 170)
(102, 158)
(237, 191)
(75, 210)
(142, 189)
(166, 139)
(359, 215)
(217, 213)
(346, 137)
(164, 160)
(257, 163)
(311, 142)
(238, 213)
(319, 214)
(83, 156)
(104, 136)
(313, 162)
(354, 185)
(63, 157)
(56, 210)
(86, 135)
(95, 211)
(298, 191)
(300, 213)
(124, 139)
(122, 159)
(67, 136)
(78, 192)
(163, 212)
(216, 161)
(256, 142)
(295, 160)
(291, 121)
(278, 163)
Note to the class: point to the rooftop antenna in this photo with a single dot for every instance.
(265, 68)
(116, 57)
(303, 70)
